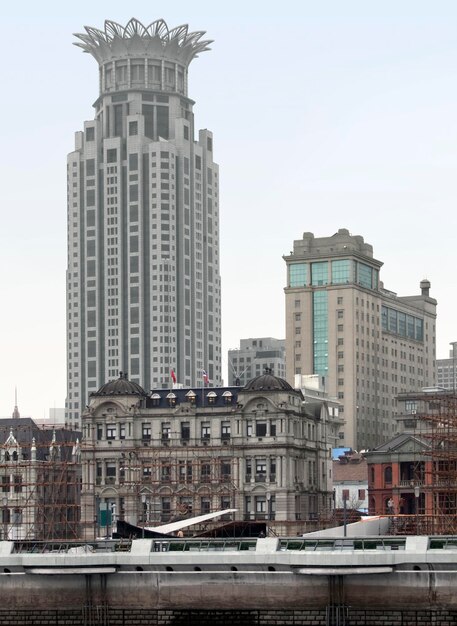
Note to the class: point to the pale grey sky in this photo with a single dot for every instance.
(325, 115)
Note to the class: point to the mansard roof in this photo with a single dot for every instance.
(200, 396)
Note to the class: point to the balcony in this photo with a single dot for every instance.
(110, 480)
(411, 483)
(260, 478)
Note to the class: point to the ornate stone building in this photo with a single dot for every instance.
(40, 479)
(262, 449)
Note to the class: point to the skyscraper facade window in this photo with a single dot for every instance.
(367, 343)
(143, 279)
(254, 357)
(446, 370)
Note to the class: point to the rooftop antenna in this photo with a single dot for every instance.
(238, 374)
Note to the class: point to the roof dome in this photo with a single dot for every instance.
(268, 382)
(120, 387)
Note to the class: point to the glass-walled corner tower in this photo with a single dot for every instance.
(143, 280)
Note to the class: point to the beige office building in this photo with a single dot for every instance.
(368, 343)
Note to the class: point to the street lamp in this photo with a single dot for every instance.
(143, 500)
(269, 506)
(5, 517)
(345, 499)
(417, 493)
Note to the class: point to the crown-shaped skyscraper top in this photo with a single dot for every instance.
(137, 40)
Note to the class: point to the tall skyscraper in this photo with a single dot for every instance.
(368, 343)
(143, 280)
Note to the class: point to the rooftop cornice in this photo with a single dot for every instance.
(135, 39)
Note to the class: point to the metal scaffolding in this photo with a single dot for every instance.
(435, 413)
(40, 482)
(152, 485)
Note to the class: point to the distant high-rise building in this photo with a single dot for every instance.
(446, 370)
(143, 280)
(255, 356)
(368, 343)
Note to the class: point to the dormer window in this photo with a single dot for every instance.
(155, 399)
(211, 397)
(171, 399)
(191, 397)
(228, 397)
(11, 448)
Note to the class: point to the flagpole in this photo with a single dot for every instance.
(203, 389)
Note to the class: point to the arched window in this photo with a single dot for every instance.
(388, 475)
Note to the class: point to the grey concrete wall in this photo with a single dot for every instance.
(410, 588)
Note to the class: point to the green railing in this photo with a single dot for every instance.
(332, 545)
(200, 545)
(442, 543)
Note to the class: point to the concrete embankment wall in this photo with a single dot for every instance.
(197, 590)
(407, 589)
